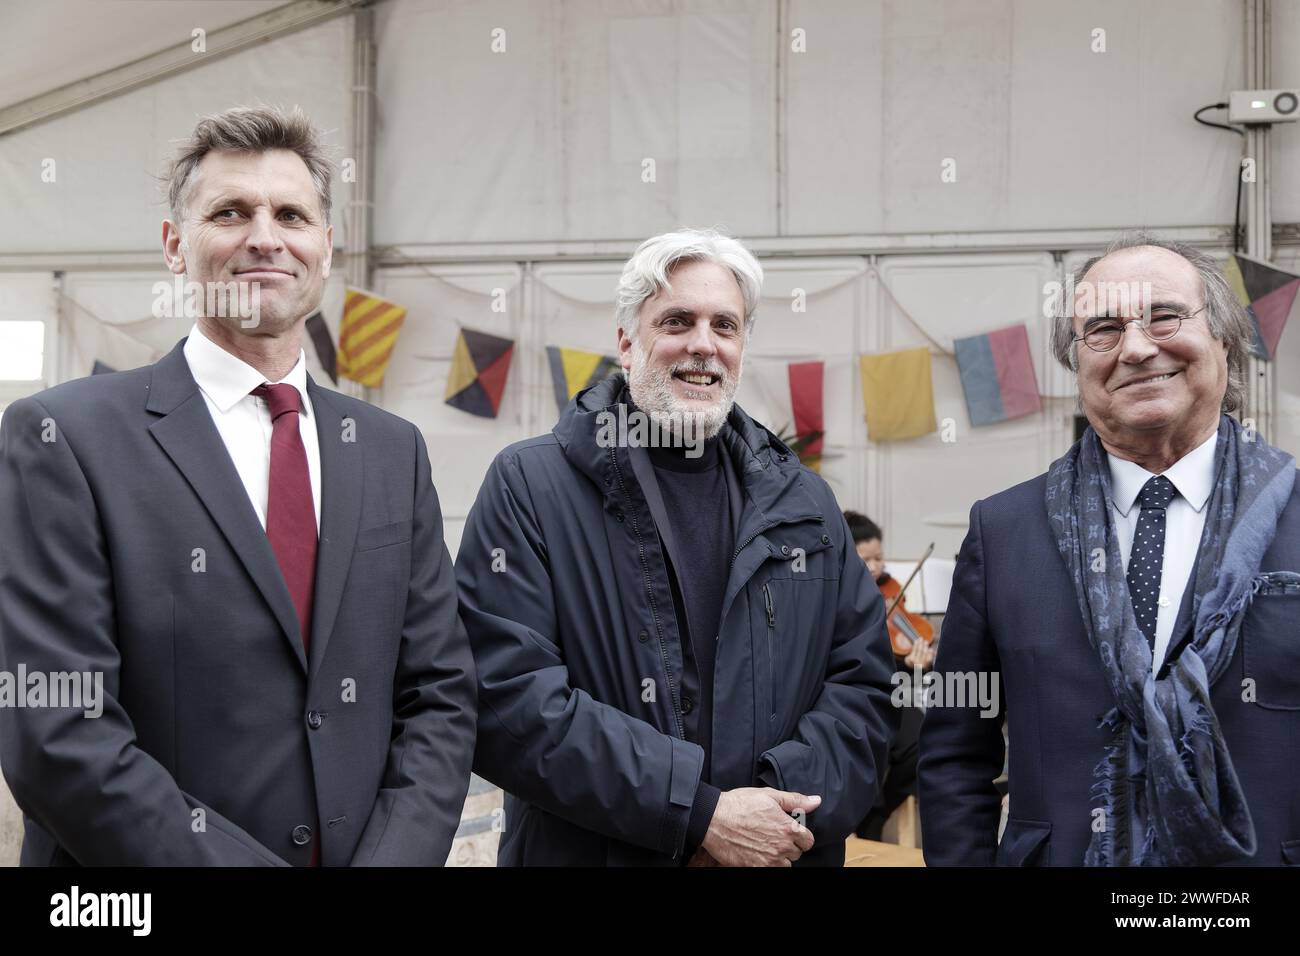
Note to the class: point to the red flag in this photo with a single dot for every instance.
(806, 402)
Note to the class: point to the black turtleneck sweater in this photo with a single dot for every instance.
(695, 496)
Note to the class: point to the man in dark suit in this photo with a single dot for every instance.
(254, 564)
(1139, 602)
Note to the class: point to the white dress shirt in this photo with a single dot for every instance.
(244, 420)
(1193, 476)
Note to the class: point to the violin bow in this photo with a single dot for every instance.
(928, 551)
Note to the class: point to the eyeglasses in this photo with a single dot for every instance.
(1158, 325)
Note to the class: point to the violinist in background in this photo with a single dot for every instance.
(900, 775)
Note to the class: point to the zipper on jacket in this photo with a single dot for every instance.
(771, 650)
(654, 610)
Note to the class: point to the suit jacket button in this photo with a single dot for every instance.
(314, 719)
(301, 834)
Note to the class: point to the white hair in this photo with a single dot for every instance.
(646, 273)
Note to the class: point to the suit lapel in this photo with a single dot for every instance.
(190, 439)
(340, 512)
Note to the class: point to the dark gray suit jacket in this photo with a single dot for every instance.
(220, 739)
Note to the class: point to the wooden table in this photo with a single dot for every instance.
(870, 853)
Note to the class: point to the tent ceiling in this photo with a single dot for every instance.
(39, 52)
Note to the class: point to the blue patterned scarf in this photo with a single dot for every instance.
(1167, 788)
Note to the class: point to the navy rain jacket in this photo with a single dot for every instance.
(566, 596)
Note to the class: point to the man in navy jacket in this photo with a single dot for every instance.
(1139, 602)
(680, 656)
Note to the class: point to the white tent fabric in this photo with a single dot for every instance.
(552, 142)
(106, 196)
(545, 140)
(1043, 131)
(768, 118)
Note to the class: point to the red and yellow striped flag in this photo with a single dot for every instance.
(366, 337)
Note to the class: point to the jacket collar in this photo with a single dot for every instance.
(227, 380)
(189, 437)
(770, 473)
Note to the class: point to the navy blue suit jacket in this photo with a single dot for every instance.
(1013, 610)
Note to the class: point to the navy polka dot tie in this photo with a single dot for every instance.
(1148, 553)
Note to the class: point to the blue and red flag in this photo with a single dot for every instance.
(997, 375)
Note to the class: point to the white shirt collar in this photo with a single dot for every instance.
(1192, 475)
(227, 380)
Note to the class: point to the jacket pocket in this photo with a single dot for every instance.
(370, 539)
(1025, 843)
(1291, 852)
(1271, 641)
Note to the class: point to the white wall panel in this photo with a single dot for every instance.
(106, 196)
(461, 446)
(834, 297)
(1107, 139)
(921, 490)
(1045, 132)
(834, 143)
(1286, 136)
(546, 139)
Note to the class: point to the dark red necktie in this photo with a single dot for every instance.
(291, 514)
(290, 508)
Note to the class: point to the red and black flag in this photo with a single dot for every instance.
(478, 373)
(1269, 295)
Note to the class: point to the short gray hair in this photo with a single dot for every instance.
(1224, 313)
(246, 129)
(646, 273)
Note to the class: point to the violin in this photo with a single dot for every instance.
(905, 628)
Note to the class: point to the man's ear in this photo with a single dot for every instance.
(624, 350)
(172, 254)
(329, 252)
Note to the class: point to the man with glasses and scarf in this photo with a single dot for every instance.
(1140, 601)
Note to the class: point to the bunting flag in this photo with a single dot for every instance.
(1269, 295)
(100, 368)
(572, 370)
(366, 337)
(898, 395)
(806, 401)
(997, 375)
(320, 338)
(478, 373)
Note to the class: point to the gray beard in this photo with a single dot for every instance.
(652, 392)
